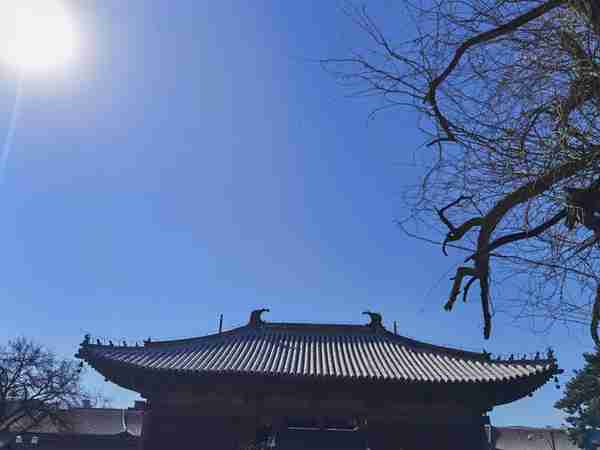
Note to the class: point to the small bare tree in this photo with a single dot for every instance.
(510, 90)
(36, 386)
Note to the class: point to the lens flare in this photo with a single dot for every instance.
(37, 35)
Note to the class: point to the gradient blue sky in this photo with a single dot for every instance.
(196, 162)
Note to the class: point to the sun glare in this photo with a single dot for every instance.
(36, 35)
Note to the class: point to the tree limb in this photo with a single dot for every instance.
(454, 233)
(510, 238)
(476, 40)
(596, 319)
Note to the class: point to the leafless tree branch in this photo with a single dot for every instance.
(510, 91)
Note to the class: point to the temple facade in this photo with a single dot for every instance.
(244, 387)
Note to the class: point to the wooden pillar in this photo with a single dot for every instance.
(172, 429)
(408, 436)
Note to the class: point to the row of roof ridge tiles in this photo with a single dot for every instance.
(512, 358)
(376, 322)
(535, 358)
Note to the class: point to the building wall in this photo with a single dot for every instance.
(528, 438)
(106, 429)
(320, 440)
(34, 441)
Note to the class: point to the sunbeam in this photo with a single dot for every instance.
(12, 126)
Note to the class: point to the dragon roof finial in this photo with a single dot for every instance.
(376, 319)
(255, 316)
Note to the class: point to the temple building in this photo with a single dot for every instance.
(362, 386)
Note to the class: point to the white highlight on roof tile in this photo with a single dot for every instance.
(324, 351)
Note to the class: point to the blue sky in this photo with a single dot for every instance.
(196, 162)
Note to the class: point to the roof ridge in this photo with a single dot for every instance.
(361, 329)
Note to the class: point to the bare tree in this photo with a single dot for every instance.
(36, 386)
(510, 94)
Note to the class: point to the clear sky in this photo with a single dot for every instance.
(196, 162)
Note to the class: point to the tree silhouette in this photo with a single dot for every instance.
(581, 400)
(36, 386)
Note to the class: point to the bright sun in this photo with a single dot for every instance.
(36, 35)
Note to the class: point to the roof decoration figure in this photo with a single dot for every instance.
(376, 319)
(255, 317)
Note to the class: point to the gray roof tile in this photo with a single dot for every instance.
(354, 352)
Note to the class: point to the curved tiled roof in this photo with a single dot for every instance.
(94, 421)
(529, 438)
(351, 352)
